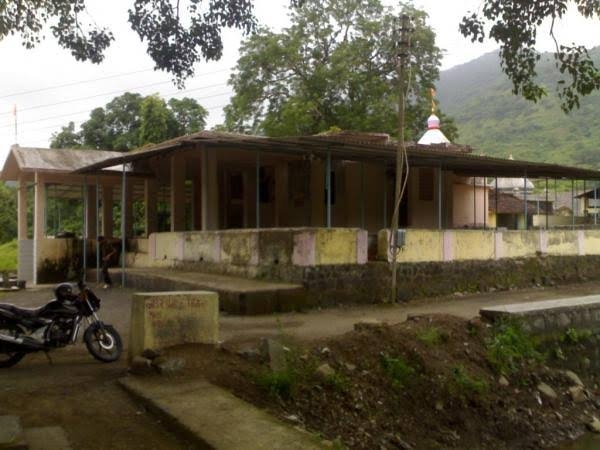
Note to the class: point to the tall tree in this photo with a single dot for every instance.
(8, 215)
(178, 33)
(66, 138)
(515, 25)
(336, 66)
(154, 126)
(123, 125)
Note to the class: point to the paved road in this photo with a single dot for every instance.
(82, 395)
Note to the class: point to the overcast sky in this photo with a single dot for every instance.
(32, 79)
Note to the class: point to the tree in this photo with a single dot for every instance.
(515, 26)
(189, 115)
(154, 127)
(178, 34)
(8, 215)
(336, 66)
(66, 138)
(125, 123)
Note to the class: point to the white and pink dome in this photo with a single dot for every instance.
(433, 135)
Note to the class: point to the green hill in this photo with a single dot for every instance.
(497, 123)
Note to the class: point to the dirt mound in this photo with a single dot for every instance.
(431, 382)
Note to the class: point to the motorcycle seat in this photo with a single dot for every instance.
(28, 313)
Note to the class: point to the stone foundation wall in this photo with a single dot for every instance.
(329, 285)
(369, 283)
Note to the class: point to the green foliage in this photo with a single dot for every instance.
(432, 336)
(337, 381)
(574, 336)
(499, 124)
(515, 27)
(335, 66)
(177, 35)
(510, 346)
(400, 372)
(154, 126)
(130, 121)
(8, 255)
(8, 213)
(278, 384)
(466, 385)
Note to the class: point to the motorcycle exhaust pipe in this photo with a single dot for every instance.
(26, 342)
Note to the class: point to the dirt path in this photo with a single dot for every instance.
(82, 395)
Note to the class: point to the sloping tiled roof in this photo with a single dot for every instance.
(509, 204)
(450, 157)
(33, 159)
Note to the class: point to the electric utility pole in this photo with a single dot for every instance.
(403, 47)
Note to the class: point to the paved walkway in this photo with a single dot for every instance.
(213, 418)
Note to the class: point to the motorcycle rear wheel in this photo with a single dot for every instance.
(9, 358)
(103, 342)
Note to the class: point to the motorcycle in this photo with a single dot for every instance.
(55, 325)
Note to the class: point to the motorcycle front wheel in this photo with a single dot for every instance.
(9, 358)
(103, 342)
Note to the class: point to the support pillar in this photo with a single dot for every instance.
(177, 193)
(22, 210)
(150, 208)
(107, 211)
(210, 191)
(281, 194)
(317, 192)
(91, 219)
(39, 221)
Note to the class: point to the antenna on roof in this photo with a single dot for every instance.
(14, 111)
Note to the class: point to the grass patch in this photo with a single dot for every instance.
(573, 336)
(398, 370)
(278, 384)
(466, 385)
(8, 255)
(432, 336)
(510, 347)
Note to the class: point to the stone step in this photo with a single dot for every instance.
(236, 295)
(47, 438)
(11, 434)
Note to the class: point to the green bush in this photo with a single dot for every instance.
(278, 384)
(398, 370)
(574, 336)
(466, 385)
(510, 346)
(432, 336)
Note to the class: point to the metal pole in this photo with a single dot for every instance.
(496, 199)
(123, 237)
(97, 230)
(257, 190)
(474, 203)
(440, 188)
(385, 182)
(85, 227)
(596, 203)
(573, 203)
(525, 198)
(547, 203)
(403, 47)
(362, 195)
(328, 187)
(485, 201)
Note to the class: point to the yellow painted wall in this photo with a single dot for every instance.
(519, 243)
(421, 245)
(335, 246)
(592, 242)
(473, 244)
(562, 242)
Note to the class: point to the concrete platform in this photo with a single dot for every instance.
(236, 295)
(550, 315)
(213, 418)
(47, 438)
